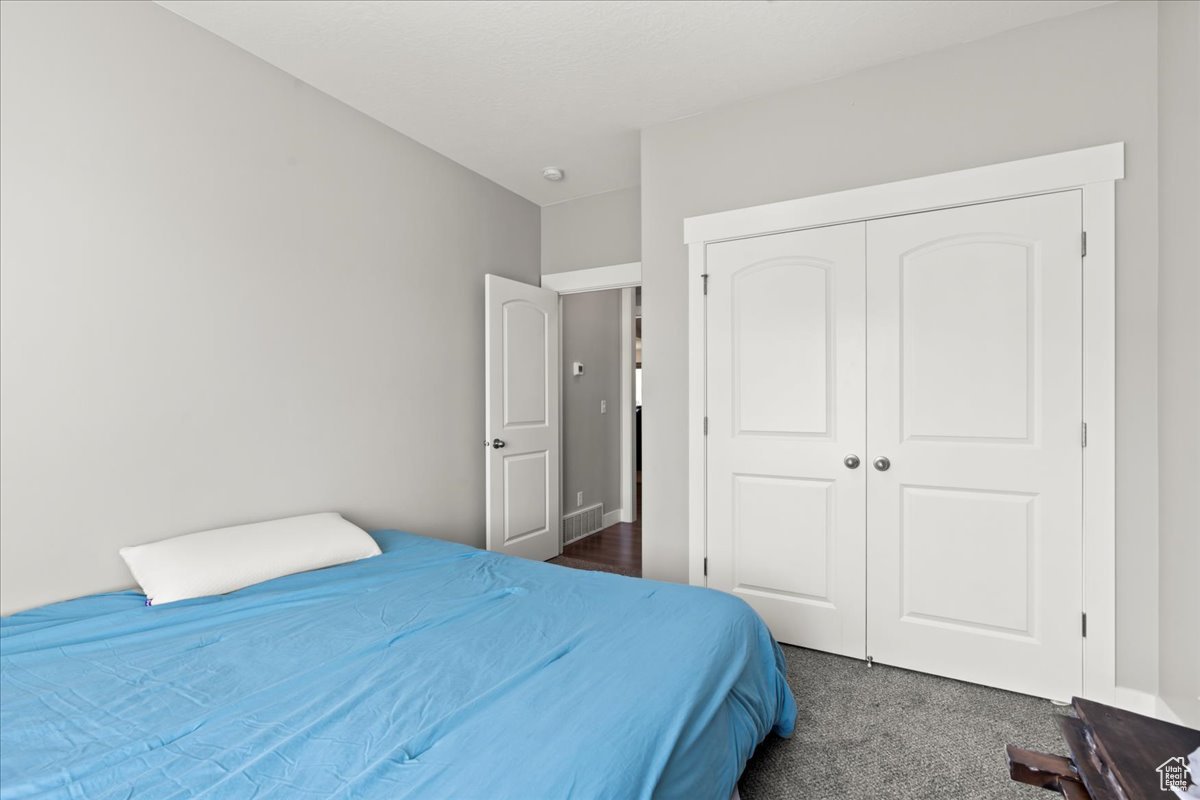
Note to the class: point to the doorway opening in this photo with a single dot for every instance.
(600, 354)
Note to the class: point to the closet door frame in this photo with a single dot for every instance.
(1092, 170)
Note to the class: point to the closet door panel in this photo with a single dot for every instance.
(785, 372)
(974, 397)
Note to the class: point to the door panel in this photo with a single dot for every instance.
(525, 508)
(785, 370)
(521, 412)
(772, 556)
(974, 373)
(941, 529)
(780, 306)
(526, 331)
(967, 363)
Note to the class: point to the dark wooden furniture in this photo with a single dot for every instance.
(1115, 755)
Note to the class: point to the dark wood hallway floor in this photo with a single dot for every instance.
(618, 546)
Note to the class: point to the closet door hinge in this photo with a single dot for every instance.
(1083, 434)
(1083, 624)
(705, 278)
(1083, 243)
(706, 426)
(706, 566)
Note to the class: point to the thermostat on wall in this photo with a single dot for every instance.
(576, 367)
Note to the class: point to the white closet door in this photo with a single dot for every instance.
(785, 343)
(974, 376)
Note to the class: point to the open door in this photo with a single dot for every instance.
(521, 419)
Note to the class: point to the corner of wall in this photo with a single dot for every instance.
(1178, 656)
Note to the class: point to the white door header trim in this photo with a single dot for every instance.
(616, 276)
(1048, 173)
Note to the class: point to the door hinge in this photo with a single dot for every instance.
(706, 426)
(1083, 434)
(1083, 243)
(1083, 624)
(705, 277)
(706, 566)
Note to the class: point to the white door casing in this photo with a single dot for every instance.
(785, 365)
(521, 416)
(624, 278)
(974, 352)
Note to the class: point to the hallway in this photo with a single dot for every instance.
(617, 548)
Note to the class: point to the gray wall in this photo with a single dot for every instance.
(225, 297)
(1082, 80)
(1179, 361)
(591, 333)
(595, 231)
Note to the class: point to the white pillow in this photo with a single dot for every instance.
(225, 559)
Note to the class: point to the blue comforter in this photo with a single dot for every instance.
(432, 671)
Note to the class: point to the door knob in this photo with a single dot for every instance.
(497, 444)
(851, 461)
(882, 463)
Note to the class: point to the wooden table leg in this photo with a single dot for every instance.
(1055, 773)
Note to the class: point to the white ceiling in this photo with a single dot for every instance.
(507, 88)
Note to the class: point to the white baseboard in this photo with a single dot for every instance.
(1180, 710)
(611, 518)
(1140, 702)
(1163, 711)
(1135, 700)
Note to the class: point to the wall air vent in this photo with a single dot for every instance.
(583, 522)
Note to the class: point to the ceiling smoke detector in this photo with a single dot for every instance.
(553, 174)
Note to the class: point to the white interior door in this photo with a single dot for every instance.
(522, 419)
(975, 375)
(785, 405)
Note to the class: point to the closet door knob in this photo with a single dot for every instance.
(851, 461)
(497, 444)
(882, 463)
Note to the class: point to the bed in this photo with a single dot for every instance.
(434, 670)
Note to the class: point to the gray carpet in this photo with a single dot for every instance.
(889, 733)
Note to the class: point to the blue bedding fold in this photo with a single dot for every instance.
(432, 671)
